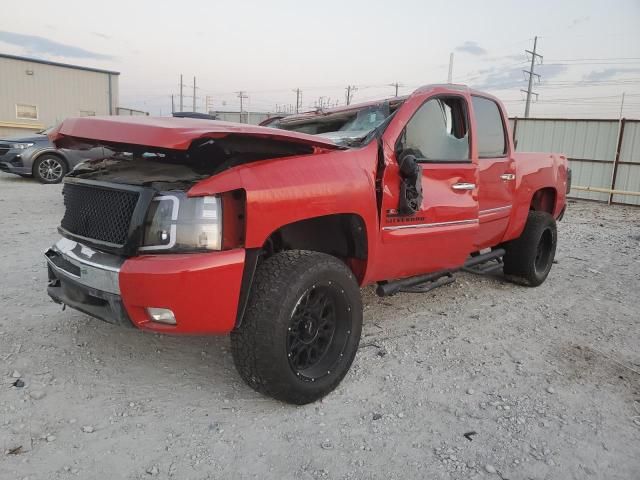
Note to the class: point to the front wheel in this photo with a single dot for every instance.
(528, 259)
(301, 329)
(49, 169)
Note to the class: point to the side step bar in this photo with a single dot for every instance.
(430, 281)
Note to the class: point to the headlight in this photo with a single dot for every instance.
(178, 223)
(21, 146)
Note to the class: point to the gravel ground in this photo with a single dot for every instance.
(479, 379)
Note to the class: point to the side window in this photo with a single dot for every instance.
(438, 132)
(490, 129)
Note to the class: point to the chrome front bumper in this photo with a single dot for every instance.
(85, 265)
(86, 280)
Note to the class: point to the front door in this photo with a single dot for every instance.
(441, 232)
(496, 171)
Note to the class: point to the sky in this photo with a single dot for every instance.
(267, 49)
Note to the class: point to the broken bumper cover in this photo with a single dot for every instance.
(86, 280)
(202, 290)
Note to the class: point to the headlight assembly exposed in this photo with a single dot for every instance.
(177, 223)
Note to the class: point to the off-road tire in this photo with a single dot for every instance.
(56, 171)
(528, 259)
(260, 346)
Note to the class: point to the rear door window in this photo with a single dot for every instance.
(490, 130)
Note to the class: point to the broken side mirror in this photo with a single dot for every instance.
(411, 184)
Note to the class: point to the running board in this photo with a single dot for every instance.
(483, 269)
(428, 286)
(430, 281)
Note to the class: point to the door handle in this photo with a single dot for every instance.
(508, 176)
(463, 186)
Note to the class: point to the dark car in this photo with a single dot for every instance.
(35, 155)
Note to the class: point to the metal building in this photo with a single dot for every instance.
(36, 94)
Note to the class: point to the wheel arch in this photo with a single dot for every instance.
(342, 235)
(53, 153)
(544, 200)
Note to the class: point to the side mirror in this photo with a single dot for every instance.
(411, 186)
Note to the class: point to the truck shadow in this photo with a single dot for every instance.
(158, 363)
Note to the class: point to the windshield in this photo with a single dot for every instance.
(366, 120)
(348, 127)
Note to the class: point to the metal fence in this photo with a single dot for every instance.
(252, 118)
(604, 155)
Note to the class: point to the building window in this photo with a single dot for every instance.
(87, 113)
(26, 112)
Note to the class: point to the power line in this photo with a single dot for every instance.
(570, 64)
(593, 59)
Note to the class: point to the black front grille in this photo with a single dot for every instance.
(98, 213)
(3, 150)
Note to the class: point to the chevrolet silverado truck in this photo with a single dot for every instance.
(200, 227)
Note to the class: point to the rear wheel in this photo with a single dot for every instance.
(529, 258)
(49, 169)
(302, 326)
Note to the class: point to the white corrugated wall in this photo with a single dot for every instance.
(628, 173)
(591, 147)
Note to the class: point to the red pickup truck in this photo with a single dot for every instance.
(202, 227)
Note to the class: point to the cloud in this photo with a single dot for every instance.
(43, 46)
(471, 47)
(579, 20)
(102, 35)
(608, 73)
(498, 78)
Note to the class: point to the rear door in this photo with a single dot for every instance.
(496, 171)
(440, 234)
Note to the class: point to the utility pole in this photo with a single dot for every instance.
(321, 102)
(194, 94)
(241, 95)
(173, 107)
(450, 76)
(208, 104)
(397, 86)
(616, 155)
(181, 96)
(621, 107)
(351, 89)
(531, 74)
(298, 99)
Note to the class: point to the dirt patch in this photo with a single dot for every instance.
(481, 355)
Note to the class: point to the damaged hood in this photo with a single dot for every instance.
(168, 132)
